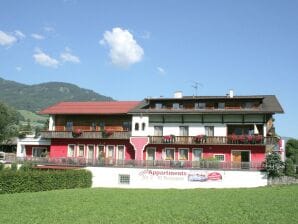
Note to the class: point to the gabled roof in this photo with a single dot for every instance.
(269, 104)
(102, 107)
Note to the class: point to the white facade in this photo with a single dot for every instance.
(30, 140)
(172, 178)
(194, 129)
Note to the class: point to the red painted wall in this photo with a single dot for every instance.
(59, 147)
(257, 152)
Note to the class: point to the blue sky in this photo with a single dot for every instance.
(130, 50)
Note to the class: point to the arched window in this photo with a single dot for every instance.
(143, 126)
(136, 126)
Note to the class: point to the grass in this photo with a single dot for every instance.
(258, 205)
(35, 119)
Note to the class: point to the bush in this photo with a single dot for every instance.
(1, 166)
(274, 165)
(33, 181)
(27, 166)
(14, 167)
(289, 168)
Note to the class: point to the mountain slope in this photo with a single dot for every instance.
(36, 97)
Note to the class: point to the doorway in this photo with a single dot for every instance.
(241, 159)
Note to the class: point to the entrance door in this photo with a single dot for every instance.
(120, 154)
(240, 159)
(91, 153)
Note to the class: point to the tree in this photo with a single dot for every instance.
(274, 165)
(9, 120)
(292, 150)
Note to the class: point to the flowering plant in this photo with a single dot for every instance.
(77, 132)
(200, 138)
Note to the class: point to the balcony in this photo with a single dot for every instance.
(67, 162)
(213, 140)
(86, 134)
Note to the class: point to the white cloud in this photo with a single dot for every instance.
(67, 56)
(124, 50)
(48, 29)
(37, 36)
(19, 68)
(19, 34)
(45, 60)
(161, 70)
(7, 39)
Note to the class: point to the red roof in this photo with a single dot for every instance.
(110, 107)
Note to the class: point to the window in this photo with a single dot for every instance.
(120, 153)
(221, 105)
(81, 149)
(124, 179)
(143, 126)
(71, 150)
(169, 154)
(209, 130)
(93, 126)
(176, 106)
(127, 126)
(183, 154)
(110, 153)
(219, 157)
(150, 153)
(158, 106)
(91, 151)
(197, 154)
(101, 152)
(158, 130)
(201, 105)
(183, 130)
(136, 126)
(101, 125)
(69, 125)
(39, 152)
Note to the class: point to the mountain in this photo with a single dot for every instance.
(36, 97)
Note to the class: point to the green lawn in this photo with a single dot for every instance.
(258, 205)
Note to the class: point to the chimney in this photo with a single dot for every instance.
(178, 94)
(231, 93)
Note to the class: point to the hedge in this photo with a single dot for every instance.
(33, 181)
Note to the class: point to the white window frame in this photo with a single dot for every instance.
(165, 153)
(97, 151)
(154, 148)
(87, 151)
(179, 157)
(74, 150)
(117, 151)
(193, 155)
(107, 151)
(220, 154)
(78, 150)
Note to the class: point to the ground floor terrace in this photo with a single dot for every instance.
(121, 153)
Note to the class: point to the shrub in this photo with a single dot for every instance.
(27, 166)
(1, 166)
(14, 167)
(289, 168)
(33, 181)
(274, 165)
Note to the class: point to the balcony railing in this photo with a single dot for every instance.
(86, 134)
(213, 140)
(158, 164)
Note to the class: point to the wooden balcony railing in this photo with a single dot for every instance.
(161, 164)
(212, 140)
(86, 134)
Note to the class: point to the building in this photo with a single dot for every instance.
(183, 131)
